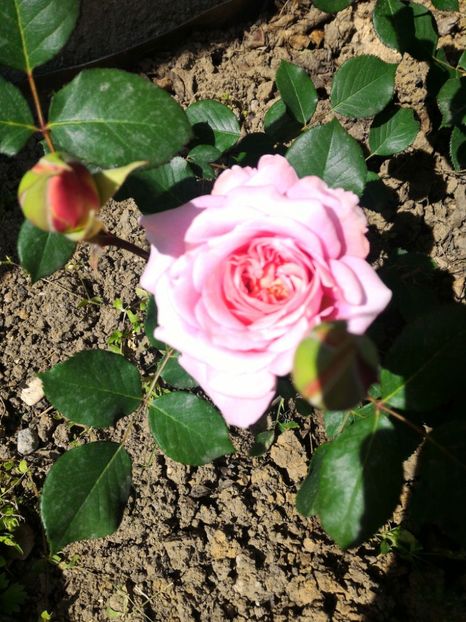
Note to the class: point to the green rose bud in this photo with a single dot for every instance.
(333, 368)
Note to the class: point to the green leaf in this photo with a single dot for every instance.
(439, 496)
(161, 188)
(41, 253)
(406, 27)
(112, 118)
(262, 443)
(363, 86)
(458, 148)
(34, 31)
(297, 91)
(93, 387)
(424, 368)
(251, 148)
(150, 324)
(336, 421)
(174, 375)
(392, 131)
(307, 499)
(85, 492)
(201, 156)
(16, 120)
(278, 123)
(188, 429)
(451, 101)
(360, 480)
(446, 5)
(329, 152)
(213, 124)
(462, 61)
(331, 6)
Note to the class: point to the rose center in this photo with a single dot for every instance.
(264, 282)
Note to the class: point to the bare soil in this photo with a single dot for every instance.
(224, 541)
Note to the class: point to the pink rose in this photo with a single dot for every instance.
(240, 276)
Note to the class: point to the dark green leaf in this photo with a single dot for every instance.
(307, 498)
(16, 121)
(214, 124)
(329, 152)
(406, 27)
(41, 253)
(425, 366)
(392, 131)
(363, 86)
(446, 5)
(33, 31)
(332, 6)
(360, 480)
(451, 101)
(297, 91)
(439, 496)
(262, 443)
(161, 188)
(278, 123)
(112, 118)
(85, 492)
(204, 153)
(93, 387)
(462, 60)
(377, 196)
(336, 421)
(188, 429)
(174, 375)
(250, 148)
(412, 277)
(458, 148)
(150, 324)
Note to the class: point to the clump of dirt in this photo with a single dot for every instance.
(224, 541)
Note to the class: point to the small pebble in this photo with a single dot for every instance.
(33, 393)
(27, 441)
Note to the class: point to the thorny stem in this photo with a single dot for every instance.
(427, 437)
(40, 116)
(105, 238)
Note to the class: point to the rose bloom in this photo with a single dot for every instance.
(240, 276)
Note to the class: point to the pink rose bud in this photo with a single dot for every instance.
(333, 368)
(60, 196)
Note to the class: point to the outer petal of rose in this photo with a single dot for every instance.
(377, 296)
(348, 218)
(166, 230)
(276, 171)
(231, 178)
(155, 267)
(239, 411)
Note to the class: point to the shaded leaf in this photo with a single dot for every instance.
(424, 368)
(93, 387)
(332, 6)
(458, 148)
(360, 480)
(16, 120)
(446, 5)
(150, 324)
(213, 124)
(307, 499)
(278, 123)
(251, 148)
(451, 100)
(161, 188)
(297, 91)
(174, 375)
(439, 496)
(85, 492)
(406, 27)
(41, 253)
(363, 86)
(329, 152)
(336, 421)
(188, 429)
(34, 31)
(377, 196)
(111, 118)
(393, 130)
(262, 443)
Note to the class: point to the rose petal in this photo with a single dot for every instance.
(166, 230)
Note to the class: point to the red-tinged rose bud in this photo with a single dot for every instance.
(61, 196)
(333, 368)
